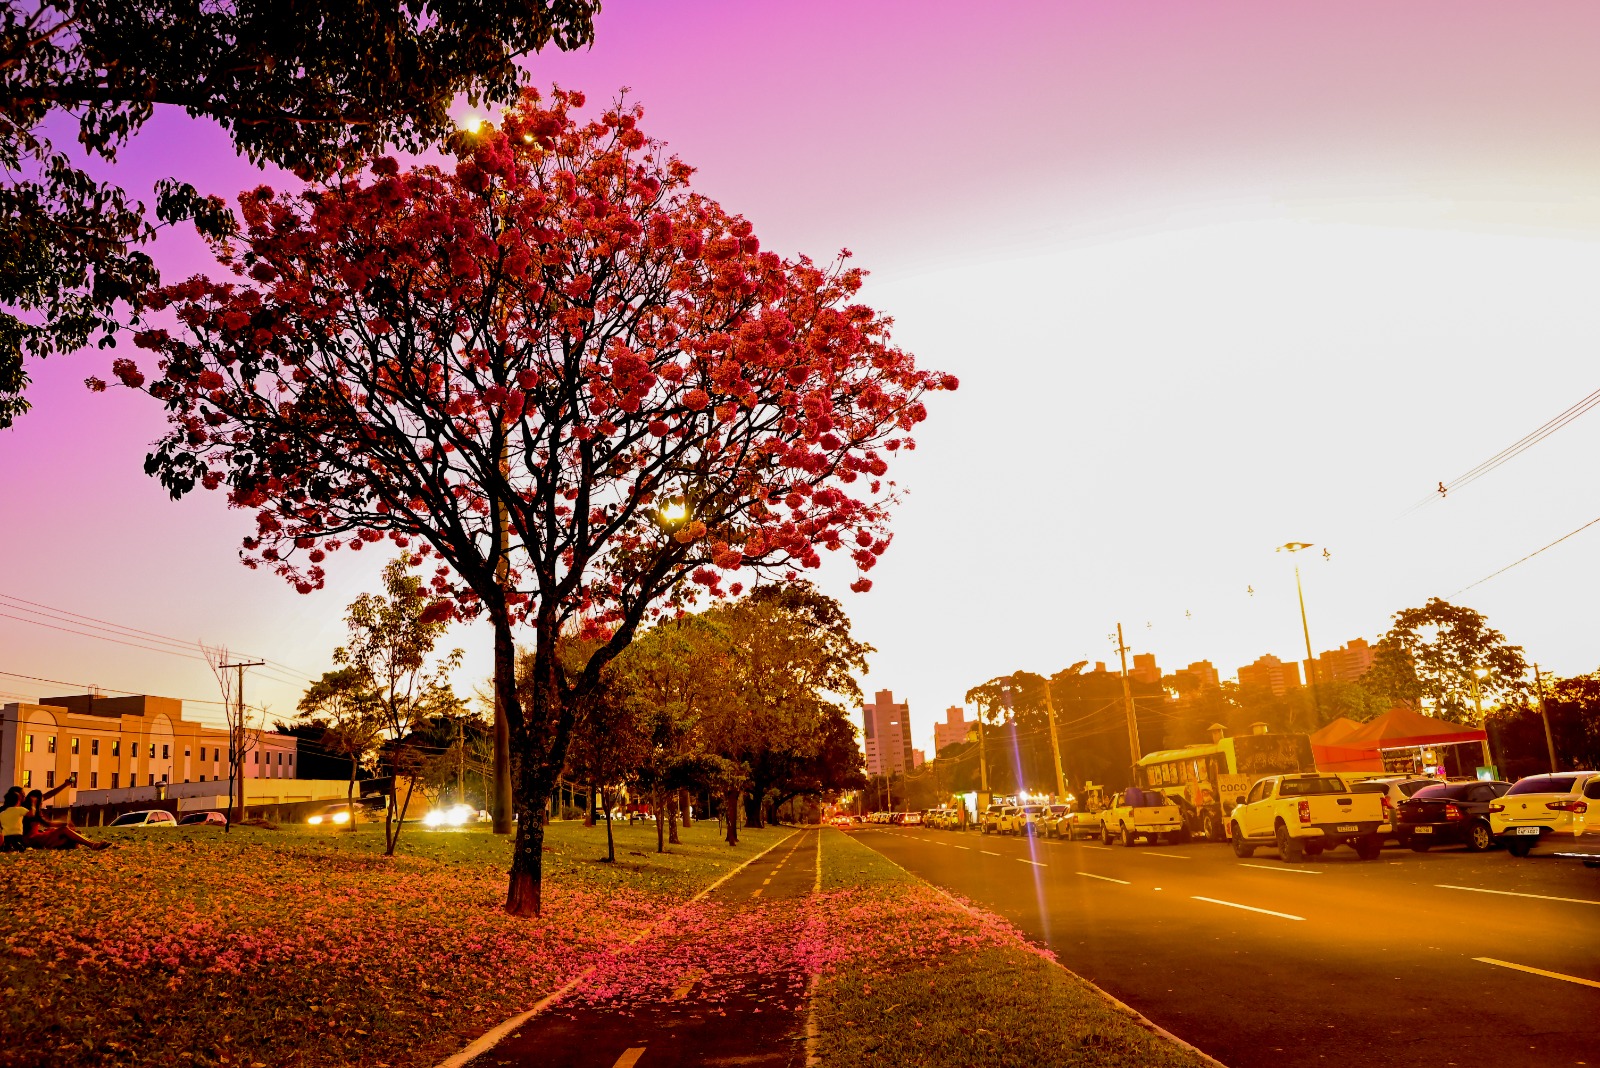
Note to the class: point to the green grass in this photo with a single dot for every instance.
(298, 947)
(928, 985)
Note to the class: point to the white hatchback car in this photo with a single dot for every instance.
(1546, 806)
(150, 817)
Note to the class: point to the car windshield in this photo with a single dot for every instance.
(1439, 789)
(1303, 787)
(128, 819)
(1544, 784)
(1411, 789)
(1032, 810)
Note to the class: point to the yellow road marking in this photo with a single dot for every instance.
(1537, 971)
(630, 1058)
(756, 892)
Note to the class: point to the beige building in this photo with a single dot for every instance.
(953, 731)
(1270, 673)
(1345, 664)
(886, 732)
(118, 743)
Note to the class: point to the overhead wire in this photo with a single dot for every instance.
(1525, 559)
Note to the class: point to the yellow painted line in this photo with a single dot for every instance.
(1538, 971)
(630, 1058)
(683, 991)
(756, 892)
(1513, 893)
(1247, 908)
(1103, 878)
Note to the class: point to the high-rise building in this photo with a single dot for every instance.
(953, 731)
(1144, 669)
(1345, 664)
(886, 732)
(918, 758)
(1204, 674)
(1270, 673)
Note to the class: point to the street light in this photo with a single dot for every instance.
(1478, 675)
(1305, 628)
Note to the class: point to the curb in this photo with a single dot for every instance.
(492, 1037)
(1117, 1003)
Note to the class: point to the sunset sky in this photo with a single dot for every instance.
(1214, 277)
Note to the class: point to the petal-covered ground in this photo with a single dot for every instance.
(293, 948)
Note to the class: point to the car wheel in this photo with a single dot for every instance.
(1211, 827)
(1105, 835)
(1314, 849)
(1369, 847)
(1288, 847)
(1241, 849)
(1479, 837)
(1518, 847)
(1127, 836)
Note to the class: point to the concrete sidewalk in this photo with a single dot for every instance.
(710, 992)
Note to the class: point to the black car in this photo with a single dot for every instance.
(1449, 813)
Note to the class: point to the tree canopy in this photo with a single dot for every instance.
(310, 87)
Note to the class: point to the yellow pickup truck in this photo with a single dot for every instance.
(1304, 814)
(1147, 814)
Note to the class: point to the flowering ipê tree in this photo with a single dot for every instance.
(580, 386)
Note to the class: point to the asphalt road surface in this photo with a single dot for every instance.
(1427, 960)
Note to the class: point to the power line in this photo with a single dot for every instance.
(1527, 441)
(1530, 556)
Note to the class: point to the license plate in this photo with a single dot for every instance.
(1524, 830)
(1347, 828)
(1422, 830)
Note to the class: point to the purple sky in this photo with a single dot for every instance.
(1215, 277)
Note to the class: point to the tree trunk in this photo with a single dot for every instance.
(588, 807)
(611, 845)
(752, 810)
(672, 819)
(730, 806)
(523, 894)
(655, 810)
(349, 797)
(683, 806)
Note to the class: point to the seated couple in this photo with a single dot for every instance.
(24, 826)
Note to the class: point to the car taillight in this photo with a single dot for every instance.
(1388, 809)
(1497, 808)
(1305, 810)
(1568, 806)
(1451, 812)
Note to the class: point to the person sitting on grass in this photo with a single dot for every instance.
(11, 816)
(40, 833)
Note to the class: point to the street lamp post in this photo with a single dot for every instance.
(1305, 628)
(1479, 674)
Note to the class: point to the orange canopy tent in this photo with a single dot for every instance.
(1329, 748)
(1344, 745)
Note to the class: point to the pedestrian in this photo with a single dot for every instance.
(11, 817)
(40, 833)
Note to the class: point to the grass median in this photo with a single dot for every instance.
(301, 947)
(925, 982)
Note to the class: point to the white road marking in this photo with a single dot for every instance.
(963, 847)
(1513, 893)
(1174, 856)
(630, 1058)
(1247, 908)
(1035, 863)
(1280, 867)
(1104, 878)
(987, 853)
(1537, 971)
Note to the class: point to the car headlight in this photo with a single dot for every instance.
(459, 814)
(314, 820)
(341, 817)
(433, 819)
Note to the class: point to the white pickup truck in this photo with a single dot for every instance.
(1305, 814)
(1148, 814)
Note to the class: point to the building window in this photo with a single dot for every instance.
(27, 747)
(202, 778)
(152, 778)
(52, 743)
(257, 756)
(94, 747)
(165, 752)
(74, 747)
(291, 760)
(115, 777)
(27, 778)
(152, 750)
(186, 752)
(94, 780)
(49, 779)
(280, 758)
(164, 777)
(116, 747)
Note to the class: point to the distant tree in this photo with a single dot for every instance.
(392, 635)
(583, 387)
(1392, 679)
(309, 87)
(609, 736)
(345, 704)
(245, 725)
(1573, 705)
(1447, 646)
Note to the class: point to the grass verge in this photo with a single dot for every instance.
(301, 947)
(929, 984)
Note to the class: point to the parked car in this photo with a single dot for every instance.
(1146, 814)
(990, 824)
(150, 817)
(911, 818)
(1304, 814)
(1541, 807)
(1021, 819)
(1393, 789)
(203, 819)
(1448, 813)
(1080, 824)
(841, 821)
(1051, 817)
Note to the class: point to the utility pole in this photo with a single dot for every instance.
(1055, 743)
(1544, 714)
(1305, 628)
(236, 735)
(983, 769)
(1127, 700)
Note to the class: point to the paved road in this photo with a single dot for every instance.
(698, 1018)
(1333, 961)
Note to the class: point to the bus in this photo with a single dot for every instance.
(1208, 779)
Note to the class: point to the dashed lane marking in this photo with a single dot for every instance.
(1513, 893)
(630, 1058)
(756, 892)
(1152, 853)
(1035, 863)
(1280, 867)
(987, 853)
(963, 847)
(1104, 878)
(1247, 908)
(1537, 971)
